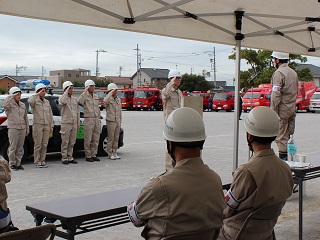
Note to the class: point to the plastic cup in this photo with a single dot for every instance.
(302, 158)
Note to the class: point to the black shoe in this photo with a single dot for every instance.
(96, 159)
(89, 160)
(73, 162)
(20, 167)
(240, 118)
(65, 162)
(14, 167)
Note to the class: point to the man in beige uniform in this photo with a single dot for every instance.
(284, 83)
(18, 126)
(92, 124)
(42, 124)
(70, 122)
(113, 116)
(187, 198)
(264, 181)
(171, 98)
(5, 216)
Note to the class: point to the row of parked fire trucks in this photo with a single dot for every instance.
(149, 98)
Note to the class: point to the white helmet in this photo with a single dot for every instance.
(39, 86)
(112, 86)
(14, 90)
(174, 73)
(262, 122)
(184, 125)
(280, 55)
(66, 84)
(88, 83)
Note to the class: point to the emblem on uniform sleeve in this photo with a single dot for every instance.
(276, 88)
(231, 200)
(134, 216)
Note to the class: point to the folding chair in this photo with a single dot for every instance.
(37, 233)
(210, 234)
(265, 213)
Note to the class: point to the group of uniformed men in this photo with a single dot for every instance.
(187, 201)
(42, 128)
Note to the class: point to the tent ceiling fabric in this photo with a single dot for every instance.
(290, 25)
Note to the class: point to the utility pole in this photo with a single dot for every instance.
(138, 66)
(97, 62)
(43, 71)
(19, 69)
(120, 69)
(213, 63)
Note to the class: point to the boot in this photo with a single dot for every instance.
(283, 156)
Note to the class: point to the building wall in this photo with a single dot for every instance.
(71, 75)
(147, 81)
(7, 83)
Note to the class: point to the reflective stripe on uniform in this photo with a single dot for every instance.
(231, 200)
(134, 216)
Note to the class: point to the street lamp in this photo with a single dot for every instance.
(97, 62)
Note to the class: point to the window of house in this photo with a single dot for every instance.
(77, 75)
(69, 75)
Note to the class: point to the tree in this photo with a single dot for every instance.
(193, 82)
(261, 62)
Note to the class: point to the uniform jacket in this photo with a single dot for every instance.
(70, 113)
(42, 112)
(186, 198)
(5, 177)
(263, 181)
(90, 104)
(16, 113)
(171, 99)
(113, 108)
(284, 83)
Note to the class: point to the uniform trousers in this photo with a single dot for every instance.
(68, 139)
(92, 130)
(16, 141)
(41, 134)
(287, 125)
(113, 129)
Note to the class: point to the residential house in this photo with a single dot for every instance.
(152, 77)
(7, 82)
(315, 71)
(122, 82)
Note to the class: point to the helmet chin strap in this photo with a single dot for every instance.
(171, 152)
(250, 145)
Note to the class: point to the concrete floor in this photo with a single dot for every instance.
(143, 158)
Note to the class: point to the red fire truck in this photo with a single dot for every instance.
(305, 92)
(261, 96)
(147, 98)
(257, 96)
(102, 93)
(223, 101)
(126, 96)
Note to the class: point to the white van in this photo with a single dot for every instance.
(315, 101)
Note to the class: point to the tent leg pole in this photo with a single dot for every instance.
(236, 107)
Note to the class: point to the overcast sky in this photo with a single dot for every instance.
(36, 43)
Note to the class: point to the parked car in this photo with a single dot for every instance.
(315, 101)
(54, 144)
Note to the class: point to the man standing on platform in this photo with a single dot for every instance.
(171, 98)
(284, 83)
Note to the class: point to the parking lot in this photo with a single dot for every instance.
(142, 157)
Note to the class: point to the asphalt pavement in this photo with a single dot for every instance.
(142, 157)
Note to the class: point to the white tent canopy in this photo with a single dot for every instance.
(291, 26)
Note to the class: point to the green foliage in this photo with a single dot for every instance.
(193, 82)
(102, 82)
(77, 83)
(261, 61)
(3, 90)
